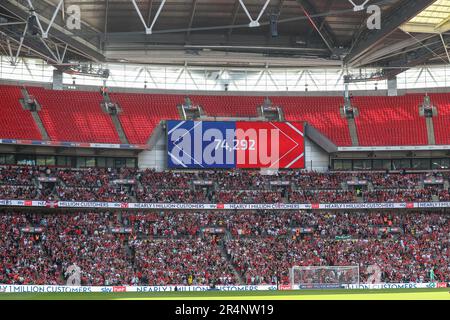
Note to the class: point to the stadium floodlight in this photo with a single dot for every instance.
(322, 277)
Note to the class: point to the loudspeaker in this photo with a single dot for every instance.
(274, 25)
(32, 26)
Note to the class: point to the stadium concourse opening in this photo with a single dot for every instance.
(255, 150)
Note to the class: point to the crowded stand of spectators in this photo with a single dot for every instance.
(322, 196)
(171, 195)
(190, 224)
(421, 244)
(425, 194)
(233, 186)
(174, 261)
(171, 247)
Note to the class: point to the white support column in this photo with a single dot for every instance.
(392, 87)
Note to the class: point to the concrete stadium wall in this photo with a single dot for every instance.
(155, 158)
(316, 159)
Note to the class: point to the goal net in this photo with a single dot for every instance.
(323, 276)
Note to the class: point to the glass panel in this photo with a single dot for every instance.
(40, 160)
(337, 164)
(61, 161)
(440, 163)
(50, 160)
(119, 163)
(346, 164)
(26, 160)
(81, 162)
(131, 163)
(110, 163)
(362, 164)
(421, 164)
(380, 164)
(101, 162)
(400, 164)
(90, 162)
(10, 159)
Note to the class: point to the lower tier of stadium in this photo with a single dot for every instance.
(224, 248)
(130, 185)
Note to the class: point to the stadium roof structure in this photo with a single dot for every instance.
(236, 33)
(434, 19)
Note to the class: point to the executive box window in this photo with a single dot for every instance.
(90, 162)
(439, 164)
(101, 162)
(7, 159)
(131, 163)
(85, 162)
(118, 163)
(66, 161)
(400, 164)
(342, 164)
(391, 164)
(25, 160)
(109, 162)
(380, 164)
(362, 164)
(421, 164)
(45, 160)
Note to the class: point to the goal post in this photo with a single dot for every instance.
(322, 277)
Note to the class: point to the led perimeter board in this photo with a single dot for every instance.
(210, 144)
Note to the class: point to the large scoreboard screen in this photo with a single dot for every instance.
(210, 144)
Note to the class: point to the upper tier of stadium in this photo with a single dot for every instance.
(77, 116)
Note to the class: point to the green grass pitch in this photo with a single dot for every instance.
(388, 294)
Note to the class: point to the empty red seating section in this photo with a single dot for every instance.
(15, 122)
(74, 116)
(141, 113)
(442, 121)
(77, 115)
(320, 112)
(229, 106)
(390, 121)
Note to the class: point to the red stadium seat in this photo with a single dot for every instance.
(15, 122)
(141, 113)
(390, 121)
(442, 121)
(77, 115)
(74, 116)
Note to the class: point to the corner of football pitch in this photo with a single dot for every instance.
(383, 294)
